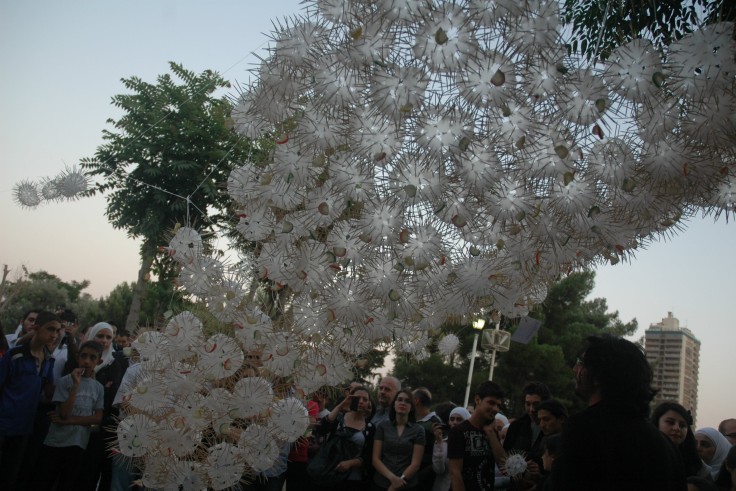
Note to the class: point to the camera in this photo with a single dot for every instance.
(354, 403)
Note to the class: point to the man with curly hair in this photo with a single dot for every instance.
(611, 445)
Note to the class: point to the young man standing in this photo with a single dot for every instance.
(24, 326)
(26, 373)
(473, 446)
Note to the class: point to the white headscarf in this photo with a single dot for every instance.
(107, 357)
(722, 447)
(462, 412)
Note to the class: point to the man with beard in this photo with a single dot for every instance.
(524, 435)
(611, 445)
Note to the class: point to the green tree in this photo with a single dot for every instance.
(73, 289)
(445, 381)
(43, 290)
(365, 367)
(599, 27)
(116, 305)
(160, 299)
(163, 161)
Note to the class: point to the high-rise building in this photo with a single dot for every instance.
(674, 354)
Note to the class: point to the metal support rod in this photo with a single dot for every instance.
(470, 372)
(493, 352)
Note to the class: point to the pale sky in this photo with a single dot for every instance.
(62, 61)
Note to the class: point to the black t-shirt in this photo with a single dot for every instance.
(471, 444)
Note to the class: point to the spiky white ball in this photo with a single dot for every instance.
(26, 194)
(448, 344)
(516, 465)
(71, 183)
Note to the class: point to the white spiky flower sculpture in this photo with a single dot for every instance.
(68, 185)
(515, 465)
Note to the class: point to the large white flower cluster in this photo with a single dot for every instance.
(193, 418)
(432, 158)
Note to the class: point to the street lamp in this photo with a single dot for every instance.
(478, 325)
(497, 340)
(497, 321)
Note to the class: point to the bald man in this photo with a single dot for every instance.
(387, 390)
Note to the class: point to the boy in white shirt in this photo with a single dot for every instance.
(79, 400)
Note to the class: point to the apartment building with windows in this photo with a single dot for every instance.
(674, 354)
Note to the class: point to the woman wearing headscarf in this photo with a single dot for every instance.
(713, 448)
(440, 464)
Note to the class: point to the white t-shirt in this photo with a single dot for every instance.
(131, 378)
(90, 398)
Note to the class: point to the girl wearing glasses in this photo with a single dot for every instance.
(398, 447)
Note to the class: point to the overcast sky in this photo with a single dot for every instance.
(62, 61)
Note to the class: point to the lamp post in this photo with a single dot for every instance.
(478, 325)
(496, 340)
(497, 320)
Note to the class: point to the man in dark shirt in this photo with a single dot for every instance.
(524, 435)
(611, 445)
(473, 444)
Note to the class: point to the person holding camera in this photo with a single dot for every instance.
(440, 464)
(349, 420)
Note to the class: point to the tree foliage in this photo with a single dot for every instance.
(446, 382)
(164, 161)
(46, 291)
(43, 290)
(365, 368)
(567, 319)
(600, 26)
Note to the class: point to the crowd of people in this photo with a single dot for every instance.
(61, 394)
(57, 388)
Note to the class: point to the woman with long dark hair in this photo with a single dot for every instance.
(675, 422)
(352, 415)
(398, 446)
